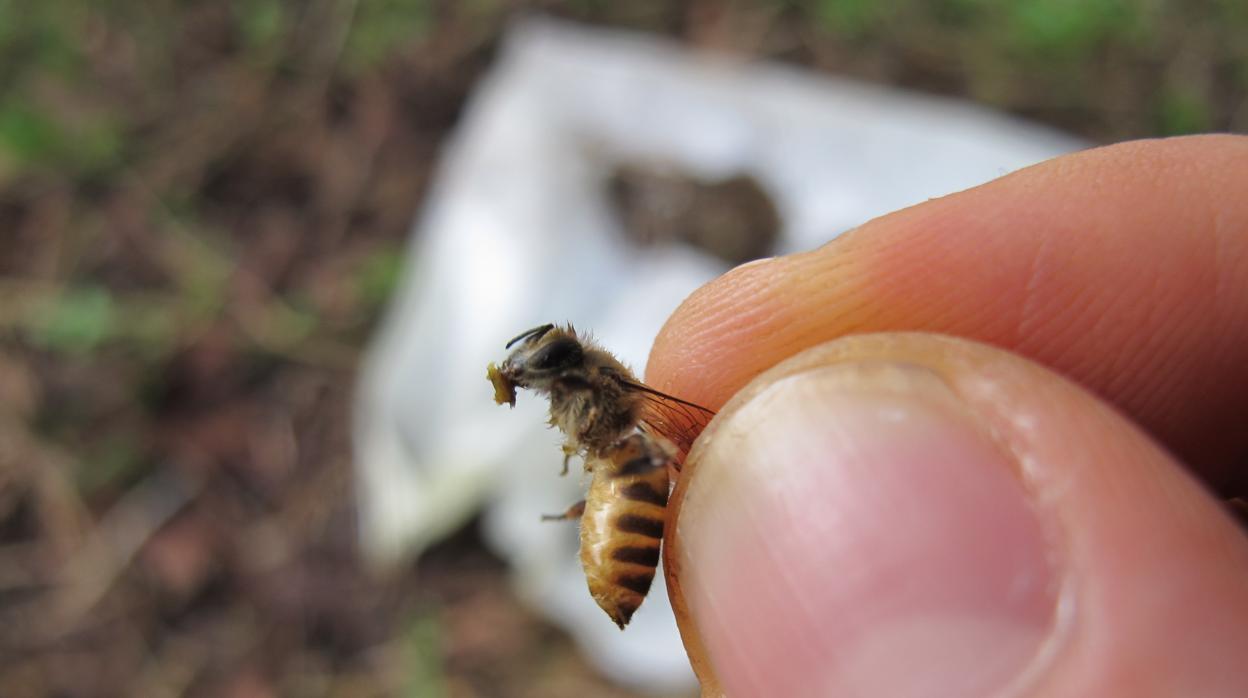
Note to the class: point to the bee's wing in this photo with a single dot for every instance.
(679, 421)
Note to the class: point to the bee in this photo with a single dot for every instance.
(630, 436)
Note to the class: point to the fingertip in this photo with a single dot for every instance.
(1122, 267)
(813, 547)
(692, 354)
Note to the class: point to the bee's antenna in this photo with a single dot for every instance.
(535, 333)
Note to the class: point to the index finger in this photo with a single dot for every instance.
(1124, 268)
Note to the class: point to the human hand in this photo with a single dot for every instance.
(908, 514)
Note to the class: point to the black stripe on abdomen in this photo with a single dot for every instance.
(643, 492)
(639, 583)
(640, 465)
(648, 555)
(643, 525)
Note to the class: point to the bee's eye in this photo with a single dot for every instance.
(561, 353)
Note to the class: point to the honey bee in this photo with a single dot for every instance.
(631, 437)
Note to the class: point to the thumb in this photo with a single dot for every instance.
(913, 515)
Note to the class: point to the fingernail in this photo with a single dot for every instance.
(854, 531)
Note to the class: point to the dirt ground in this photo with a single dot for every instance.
(203, 209)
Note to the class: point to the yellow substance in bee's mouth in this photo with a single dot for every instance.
(504, 390)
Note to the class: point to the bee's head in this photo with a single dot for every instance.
(542, 355)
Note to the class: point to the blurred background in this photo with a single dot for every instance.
(204, 207)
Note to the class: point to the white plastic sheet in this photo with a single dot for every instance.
(517, 232)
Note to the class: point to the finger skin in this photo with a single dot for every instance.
(1151, 570)
(1124, 268)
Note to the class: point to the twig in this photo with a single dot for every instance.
(113, 543)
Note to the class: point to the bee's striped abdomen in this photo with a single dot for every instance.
(623, 524)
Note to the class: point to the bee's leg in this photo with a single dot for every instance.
(569, 450)
(573, 513)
